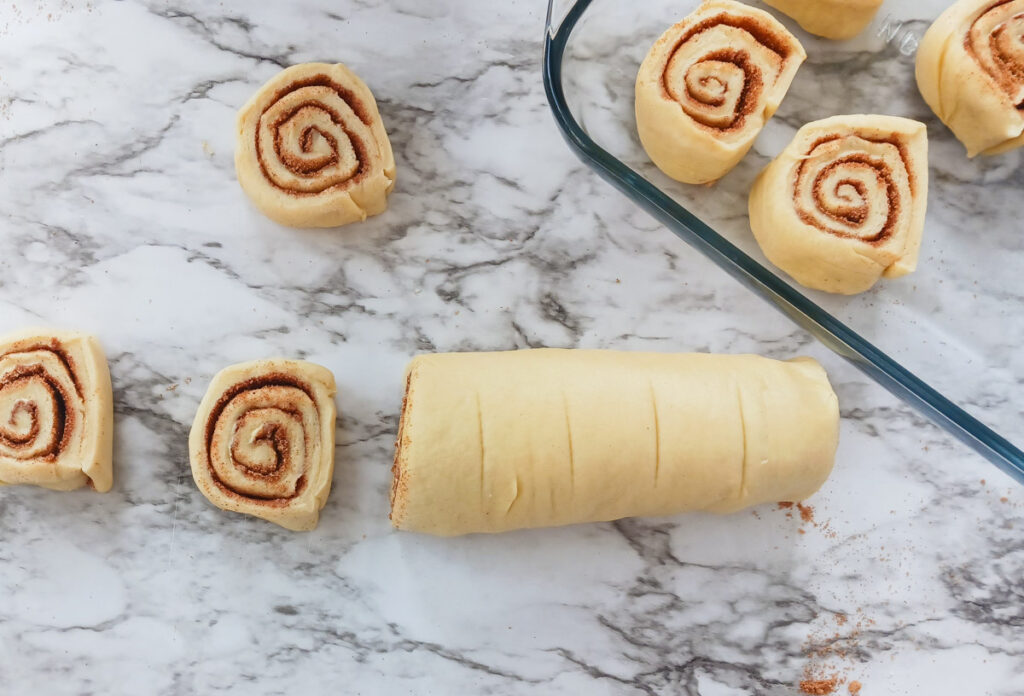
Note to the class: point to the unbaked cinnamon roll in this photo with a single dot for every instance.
(844, 203)
(56, 411)
(970, 70)
(312, 150)
(708, 85)
(833, 19)
(263, 441)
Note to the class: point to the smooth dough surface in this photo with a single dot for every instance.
(312, 150)
(970, 70)
(491, 442)
(56, 411)
(844, 204)
(262, 442)
(709, 84)
(833, 19)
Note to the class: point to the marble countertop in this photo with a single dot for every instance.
(120, 215)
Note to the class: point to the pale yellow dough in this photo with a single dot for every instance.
(844, 204)
(491, 442)
(56, 411)
(263, 441)
(833, 19)
(312, 150)
(970, 70)
(709, 84)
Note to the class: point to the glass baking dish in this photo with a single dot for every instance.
(950, 333)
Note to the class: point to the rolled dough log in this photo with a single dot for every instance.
(491, 442)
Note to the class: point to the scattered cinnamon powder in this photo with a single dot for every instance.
(818, 687)
(831, 651)
(1004, 499)
(855, 687)
(785, 504)
(806, 512)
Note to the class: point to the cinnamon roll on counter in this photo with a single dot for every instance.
(833, 19)
(970, 70)
(56, 411)
(708, 85)
(844, 204)
(312, 150)
(262, 442)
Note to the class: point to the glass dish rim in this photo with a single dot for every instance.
(803, 311)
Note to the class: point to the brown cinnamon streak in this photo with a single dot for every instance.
(1013, 71)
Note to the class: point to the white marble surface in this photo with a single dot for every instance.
(120, 215)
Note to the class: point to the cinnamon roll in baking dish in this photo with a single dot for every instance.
(844, 203)
(833, 19)
(708, 85)
(970, 70)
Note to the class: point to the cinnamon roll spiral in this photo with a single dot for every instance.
(56, 411)
(312, 150)
(833, 19)
(970, 70)
(263, 441)
(844, 203)
(708, 85)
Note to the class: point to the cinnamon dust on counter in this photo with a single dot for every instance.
(818, 687)
(831, 653)
(807, 517)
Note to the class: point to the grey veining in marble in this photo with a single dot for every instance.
(120, 215)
